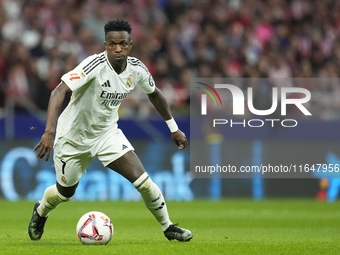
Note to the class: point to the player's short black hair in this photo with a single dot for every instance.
(117, 25)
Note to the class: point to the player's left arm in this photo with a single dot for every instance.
(158, 100)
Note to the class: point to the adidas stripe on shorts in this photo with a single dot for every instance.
(71, 160)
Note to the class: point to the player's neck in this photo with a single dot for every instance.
(119, 69)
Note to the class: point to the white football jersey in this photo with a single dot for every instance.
(97, 92)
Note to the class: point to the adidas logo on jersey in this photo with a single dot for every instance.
(106, 84)
(124, 147)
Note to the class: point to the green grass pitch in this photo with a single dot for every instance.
(226, 227)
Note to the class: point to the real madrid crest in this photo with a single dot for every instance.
(63, 179)
(128, 83)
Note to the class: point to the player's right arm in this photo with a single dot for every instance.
(54, 106)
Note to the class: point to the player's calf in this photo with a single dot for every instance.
(153, 199)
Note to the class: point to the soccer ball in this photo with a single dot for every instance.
(94, 228)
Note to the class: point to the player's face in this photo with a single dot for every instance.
(118, 45)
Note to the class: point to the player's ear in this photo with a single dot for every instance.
(105, 43)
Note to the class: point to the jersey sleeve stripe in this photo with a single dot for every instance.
(136, 62)
(94, 61)
(92, 64)
(93, 67)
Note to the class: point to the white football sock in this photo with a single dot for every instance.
(153, 199)
(51, 199)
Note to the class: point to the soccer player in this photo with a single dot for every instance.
(87, 128)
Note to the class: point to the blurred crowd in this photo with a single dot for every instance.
(40, 40)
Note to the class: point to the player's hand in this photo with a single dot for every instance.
(45, 145)
(180, 139)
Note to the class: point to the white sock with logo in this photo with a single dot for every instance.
(51, 199)
(153, 199)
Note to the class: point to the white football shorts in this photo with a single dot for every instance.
(71, 160)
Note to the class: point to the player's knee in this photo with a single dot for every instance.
(65, 193)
